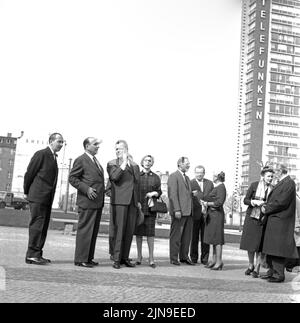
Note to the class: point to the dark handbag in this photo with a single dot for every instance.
(159, 206)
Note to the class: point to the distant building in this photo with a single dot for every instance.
(164, 181)
(25, 149)
(7, 161)
(269, 96)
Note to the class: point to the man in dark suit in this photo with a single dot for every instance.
(180, 205)
(124, 176)
(87, 177)
(280, 209)
(201, 187)
(39, 187)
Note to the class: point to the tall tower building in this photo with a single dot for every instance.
(270, 76)
(7, 161)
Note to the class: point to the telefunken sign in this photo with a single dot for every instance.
(262, 18)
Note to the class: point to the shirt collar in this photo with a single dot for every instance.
(182, 173)
(145, 173)
(53, 153)
(91, 156)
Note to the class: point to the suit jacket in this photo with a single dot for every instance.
(124, 183)
(83, 175)
(41, 177)
(280, 210)
(207, 188)
(180, 194)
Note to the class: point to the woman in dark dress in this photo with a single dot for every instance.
(214, 226)
(253, 228)
(150, 188)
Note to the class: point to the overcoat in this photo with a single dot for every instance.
(252, 228)
(280, 211)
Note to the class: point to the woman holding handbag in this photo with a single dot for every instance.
(253, 229)
(150, 190)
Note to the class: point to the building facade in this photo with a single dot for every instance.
(269, 89)
(25, 148)
(7, 161)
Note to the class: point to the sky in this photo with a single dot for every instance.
(161, 74)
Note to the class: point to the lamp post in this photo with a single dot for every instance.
(61, 175)
(67, 187)
(240, 195)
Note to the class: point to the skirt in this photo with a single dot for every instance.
(214, 228)
(252, 235)
(147, 228)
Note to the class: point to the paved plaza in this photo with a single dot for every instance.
(62, 282)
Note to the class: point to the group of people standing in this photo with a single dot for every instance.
(196, 207)
(270, 223)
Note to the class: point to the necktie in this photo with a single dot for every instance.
(97, 163)
(185, 179)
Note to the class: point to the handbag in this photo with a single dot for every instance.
(159, 206)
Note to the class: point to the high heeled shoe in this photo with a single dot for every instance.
(220, 267)
(139, 262)
(152, 265)
(210, 265)
(249, 271)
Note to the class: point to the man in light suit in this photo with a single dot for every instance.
(180, 205)
(39, 188)
(280, 210)
(87, 177)
(201, 187)
(124, 176)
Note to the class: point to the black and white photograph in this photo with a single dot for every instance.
(149, 154)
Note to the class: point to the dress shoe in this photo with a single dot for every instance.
(46, 260)
(84, 264)
(265, 276)
(175, 262)
(35, 261)
(127, 263)
(249, 271)
(220, 267)
(276, 279)
(187, 261)
(116, 265)
(93, 263)
(255, 274)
